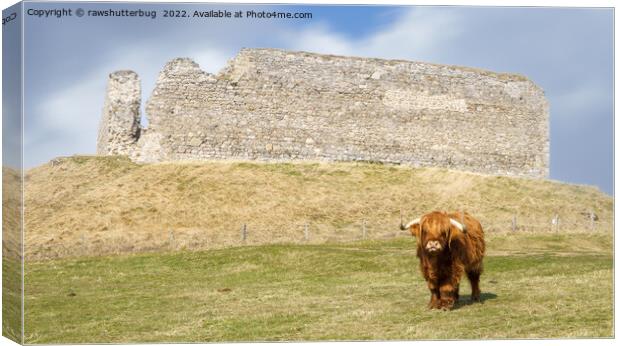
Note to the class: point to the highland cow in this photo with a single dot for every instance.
(448, 244)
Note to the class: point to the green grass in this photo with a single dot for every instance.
(11, 299)
(534, 286)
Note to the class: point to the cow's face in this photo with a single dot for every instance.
(433, 240)
(435, 231)
(434, 234)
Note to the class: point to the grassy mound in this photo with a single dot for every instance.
(101, 205)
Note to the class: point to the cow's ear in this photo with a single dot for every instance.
(415, 230)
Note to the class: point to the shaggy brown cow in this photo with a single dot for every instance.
(448, 245)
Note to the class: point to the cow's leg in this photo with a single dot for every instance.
(447, 293)
(449, 288)
(435, 298)
(456, 293)
(474, 280)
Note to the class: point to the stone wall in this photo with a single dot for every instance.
(277, 105)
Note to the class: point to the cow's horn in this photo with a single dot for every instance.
(407, 226)
(458, 225)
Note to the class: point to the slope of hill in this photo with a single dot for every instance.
(102, 205)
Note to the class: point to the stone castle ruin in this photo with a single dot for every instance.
(277, 105)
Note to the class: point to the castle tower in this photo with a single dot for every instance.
(119, 129)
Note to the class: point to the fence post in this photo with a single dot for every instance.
(306, 235)
(555, 222)
(592, 219)
(171, 238)
(364, 229)
(514, 223)
(244, 232)
(84, 245)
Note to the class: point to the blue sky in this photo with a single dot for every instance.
(566, 51)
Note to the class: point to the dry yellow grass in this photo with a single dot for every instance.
(102, 205)
(11, 204)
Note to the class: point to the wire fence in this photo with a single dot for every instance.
(241, 232)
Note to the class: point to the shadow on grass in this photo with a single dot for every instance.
(465, 300)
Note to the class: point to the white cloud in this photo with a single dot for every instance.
(319, 39)
(64, 122)
(419, 34)
(212, 60)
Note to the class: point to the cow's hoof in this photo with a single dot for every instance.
(446, 305)
(476, 299)
(434, 305)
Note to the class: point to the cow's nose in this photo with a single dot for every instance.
(433, 245)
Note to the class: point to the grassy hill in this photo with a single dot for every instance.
(105, 260)
(102, 205)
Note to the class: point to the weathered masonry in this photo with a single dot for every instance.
(277, 105)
